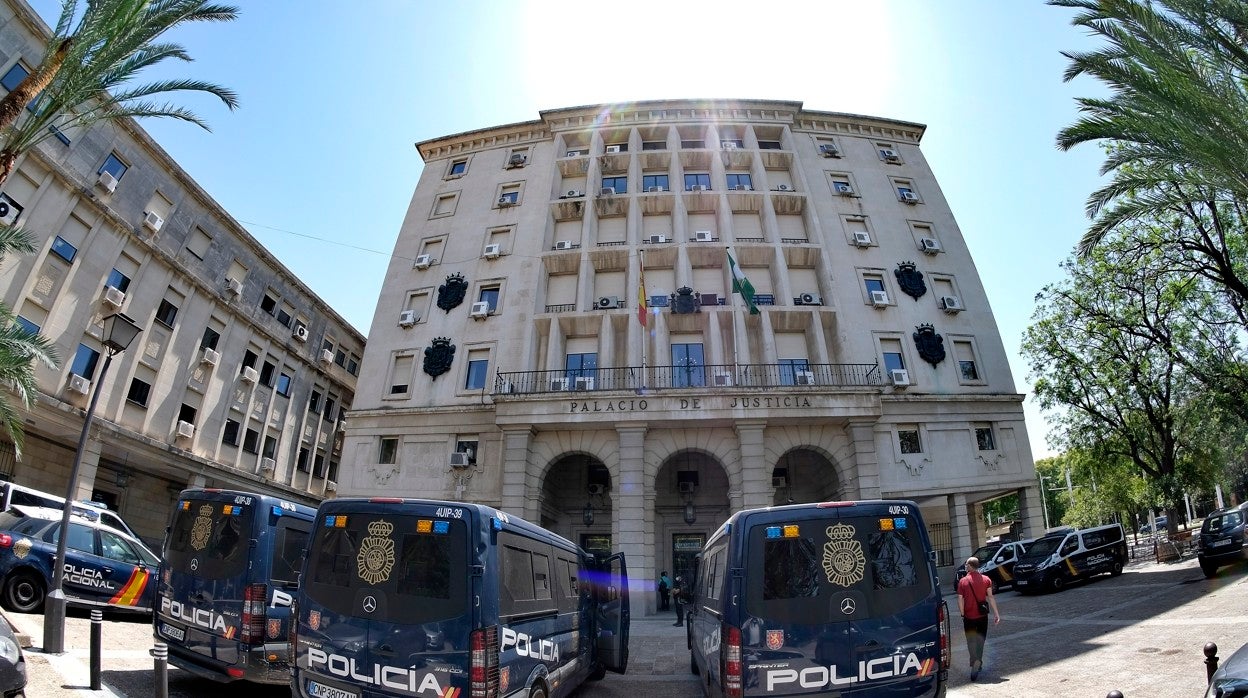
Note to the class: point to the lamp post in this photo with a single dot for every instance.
(119, 332)
(1043, 505)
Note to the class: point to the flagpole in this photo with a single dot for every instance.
(645, 306)
(736, 375)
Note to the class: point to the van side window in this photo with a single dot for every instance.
(566, 574)
(289, 542)
(525, 576)
(1070, 545)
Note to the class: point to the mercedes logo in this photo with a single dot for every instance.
(370, 604)
(194, 564)
(848, 607)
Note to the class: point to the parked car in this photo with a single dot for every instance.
(11, 494)
(1161, 521)
(1231, 678)
(103, 566)
(12, 663)
(996, 562)
(1054, 560)
(1222, 541)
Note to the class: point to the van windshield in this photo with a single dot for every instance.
(1045, 546)
(881, 559)
(418, 568)
(212, 534)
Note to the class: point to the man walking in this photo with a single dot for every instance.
(975, 599)
(665, 586)
(678, 596)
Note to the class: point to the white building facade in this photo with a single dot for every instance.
(508, 363)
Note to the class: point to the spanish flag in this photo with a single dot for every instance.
(643, 306)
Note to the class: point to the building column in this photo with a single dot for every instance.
(1031, 512)
(516, 498)
(865, 483)
(959, 527)
(197, 480)
(87, 468)
(756, 490)
(628, 525)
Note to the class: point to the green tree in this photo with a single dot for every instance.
(20, 350)
(88, 67)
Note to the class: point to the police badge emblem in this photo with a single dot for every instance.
(843, 560)
(376, 556)
(22, 548)
(201, 530)
(274, 627)
(314, 620)
(775, 639)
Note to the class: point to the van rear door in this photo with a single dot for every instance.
(840, 600)
(613, 615)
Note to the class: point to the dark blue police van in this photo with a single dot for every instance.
(837, 598)
(405, 597)
(227, 580)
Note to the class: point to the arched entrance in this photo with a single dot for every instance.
(690, 502)
(576, 501)
(804, 475)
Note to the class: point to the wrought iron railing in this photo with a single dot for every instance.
(692, 377)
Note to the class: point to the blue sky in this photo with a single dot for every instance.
(319, 162)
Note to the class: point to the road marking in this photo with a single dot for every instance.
(77, 674)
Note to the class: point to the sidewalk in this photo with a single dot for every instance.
(67, 674)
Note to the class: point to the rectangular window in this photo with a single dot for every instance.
(27, 325)
(139, 391)
(186, 413)
(791, 368)
(458, 168)
(84, 362)
(199, 243)
(61, 248)
(893, 361)
(873, 284)
(984, 439)
(14, 77)
(283, 315)
(581, 365)
(302, 462)
(340, 357)
(400, 380)
(619, 184)
(210, 339)
(266, 374)
(270, 447)
(654, 183)
(249, 360)
(489, 295)
(769, 145)
(314, 402)
(118, 280)
(477, 371)
(739, 179)
(688, 366)
(654, 145)
(166, 313)
(692, 144)
(114, 166)
(230, 435)
(328, 414)
(697, 179)
(353, 365)
(268, 304)
(909, 441)
(964, 352)
(511, 196)
(388, 454)
(283, 384)
(251, 441)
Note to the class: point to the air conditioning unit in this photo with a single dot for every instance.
(728, 145)
(407, 318)
(300, 333)
(9, 210)
(79, 384)
(657, 238)
(698, 187)
(572, 154)
(812, 299)
(614, 148)
(153, 220)
(267, 465)
(504, 201)
(480, 310)
(493, 251)
(890, 155)
(607, 191)
(597, 489)
(828, 150)
(899, 376)
(779, 481)
(804, 378)
(951, 304)
(686, 487)
(423, 261)
(517, 159)
(559, 384)
(211, 356)
(107, 181)
(929, 245)
(584, 383)
(702, 236)
(114, 296)
(723, 379)
(843, 188)
(784, 187)
(862, 239)
(607, 302)
(563, 245)
(742, 187)
(910, 197)
(459, 460)
(234, 286)
(652, 190)
(575, 193)
(327, 356)
(331, 486)
(250, 374)
(879, 298)
(185, 429)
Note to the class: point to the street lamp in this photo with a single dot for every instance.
(119, 332)
(1043, 505)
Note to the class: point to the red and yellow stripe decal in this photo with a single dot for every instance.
(132, 589)
(928, 665)
(450, 692)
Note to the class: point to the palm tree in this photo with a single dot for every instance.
(20, 349)
(87, 67)
(1177, 115)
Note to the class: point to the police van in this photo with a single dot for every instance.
(405, 597)
(836, 598)
(227, 581)
(996, 562)
(1057, 559)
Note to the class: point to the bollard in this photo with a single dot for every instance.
(1211, 661)
(160, 653)
(1114, 694)
(97, 641)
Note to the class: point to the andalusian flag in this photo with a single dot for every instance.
(742, 285)
(643, 305)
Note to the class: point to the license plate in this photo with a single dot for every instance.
(173, 631)
(1021, 582)
(320, 690)
(1217, 543)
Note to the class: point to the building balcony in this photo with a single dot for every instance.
(613, 163)
(656, 160)
(656, 203)
(575, 166)
(701, 201)
(699, 377)
(788, 202)
(699, 159)
(610, 205)
(565, 210)
(736, 159)
(745, 201)
(776, 159)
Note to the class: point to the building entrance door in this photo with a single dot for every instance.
(685, 548)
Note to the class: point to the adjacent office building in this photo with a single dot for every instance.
(558, 333)
(240, 376)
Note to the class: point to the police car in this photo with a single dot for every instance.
(103, 566)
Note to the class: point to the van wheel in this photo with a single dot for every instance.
(24, 592)
(1057, 583)
(1116, 569)
(693, 665)
(1209, 569)
(538, 691)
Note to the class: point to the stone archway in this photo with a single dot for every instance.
(576, 501)
(803, 475)
(690, 503)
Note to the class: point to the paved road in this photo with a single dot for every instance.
(1140, 633)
